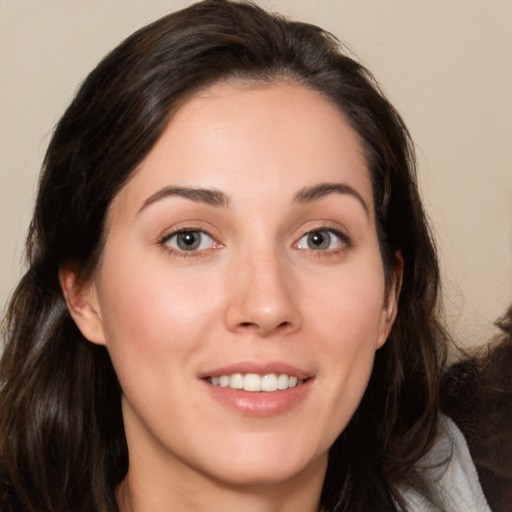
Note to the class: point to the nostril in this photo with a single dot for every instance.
(255, 325)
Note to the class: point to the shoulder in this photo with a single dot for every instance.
(451, 475)
(476, 392)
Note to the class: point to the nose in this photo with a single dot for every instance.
(261, 298)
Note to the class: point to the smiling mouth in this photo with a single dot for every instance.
(255, 383)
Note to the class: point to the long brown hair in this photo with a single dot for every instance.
(62, 443)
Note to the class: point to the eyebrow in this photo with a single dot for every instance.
(309, 194)
(208, 196)
(214, 197)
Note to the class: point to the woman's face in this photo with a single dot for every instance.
(243, 253)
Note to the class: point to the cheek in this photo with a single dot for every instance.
(350, 305)
(149, 312)
(155, 327)
(346, 328)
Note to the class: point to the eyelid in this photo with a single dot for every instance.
(189, 227)
(185, 231)
(339, 233)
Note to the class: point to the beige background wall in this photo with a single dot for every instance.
(446, 64)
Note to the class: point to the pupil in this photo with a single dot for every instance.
(319, 240)
(188, 241)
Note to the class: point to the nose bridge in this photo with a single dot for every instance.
(261, 297)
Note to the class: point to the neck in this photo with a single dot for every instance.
(143, 491)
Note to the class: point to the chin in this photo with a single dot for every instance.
(267, 465)
(265, 475)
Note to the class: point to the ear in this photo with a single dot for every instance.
(83, 305)
(390, 307)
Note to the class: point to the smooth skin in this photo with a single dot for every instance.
(246, 236)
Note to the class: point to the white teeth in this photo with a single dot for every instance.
(269, 382)
(236, 381)
(254, 382)
(282, 381)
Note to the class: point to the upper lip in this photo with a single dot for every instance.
(259, 368)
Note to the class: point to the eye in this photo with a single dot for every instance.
(189, 241)
(322, 240)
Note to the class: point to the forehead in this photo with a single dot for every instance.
(249, 141)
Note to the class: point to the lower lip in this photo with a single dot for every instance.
(261, 403)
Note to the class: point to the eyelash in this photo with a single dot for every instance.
(344, 240)
(164, 243)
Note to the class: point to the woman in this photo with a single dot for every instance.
(231, 299)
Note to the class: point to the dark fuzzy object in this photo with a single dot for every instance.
(477, 394)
